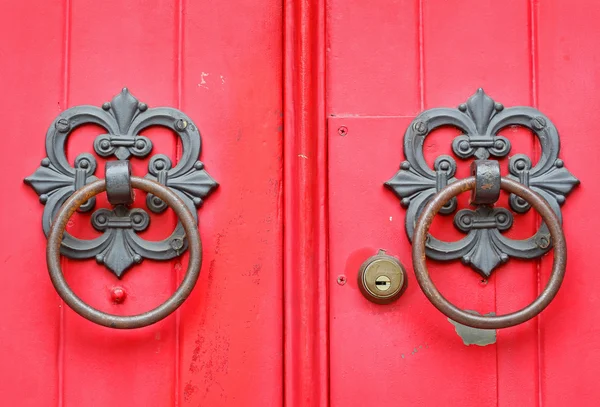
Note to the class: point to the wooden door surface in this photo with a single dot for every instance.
(221, 64)
(385, 64)
(302, 107)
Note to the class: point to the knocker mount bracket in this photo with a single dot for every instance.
(124, 118)
(481, 119)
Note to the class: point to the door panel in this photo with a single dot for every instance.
(29, 336)
(219, 63)
(568, 90)
(395, 353)
(102, 57)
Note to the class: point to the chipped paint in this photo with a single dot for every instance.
(475, 336)
(202, 80)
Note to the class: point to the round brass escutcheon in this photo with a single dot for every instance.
(382, 278)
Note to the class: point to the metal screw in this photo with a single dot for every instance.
(543, 242)
(62, 125)
(341, 280)
(176, 243)
(342, 131)
(420, 127)
(180, 124)
(538, 123)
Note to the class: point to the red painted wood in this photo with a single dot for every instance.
(268, 324)
(472, 63)
(569, 90)
(32, 80)
(222, 65)
(231, 329)
(100, 62)
(397, 352)
(305, 231)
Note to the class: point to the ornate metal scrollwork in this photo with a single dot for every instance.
(481, 119)
(123, 118)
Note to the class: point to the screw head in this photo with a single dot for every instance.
(62, 125)
(342, 130)
(420, 127)
(543, 242)
(538, 123)
(176, 243)
(180, 124)
(341, 280)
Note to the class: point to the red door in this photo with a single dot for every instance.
(220, 64)
(302, 110)
(386, 63)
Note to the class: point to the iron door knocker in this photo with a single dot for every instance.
(64, 189)
(426, 192)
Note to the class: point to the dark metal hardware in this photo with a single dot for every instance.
(118, 182)
(63, 189)
(382, 278)
(188, 223)
(421, 237)
(481, 119)
(124, 118)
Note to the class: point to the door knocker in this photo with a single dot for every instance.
(63, 189)
(425, 192)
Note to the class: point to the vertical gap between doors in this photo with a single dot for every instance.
(64, 101)
(533, 44)
(177, 268)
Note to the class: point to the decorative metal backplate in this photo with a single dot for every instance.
(123, 118)
(481, 119)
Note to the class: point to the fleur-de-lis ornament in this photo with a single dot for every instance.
(481, 119)
(124, 118)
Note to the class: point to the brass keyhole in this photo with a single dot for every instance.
(383, 283)
(382, 278)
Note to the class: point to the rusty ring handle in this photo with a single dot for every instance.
(115, 321)
(478, 321)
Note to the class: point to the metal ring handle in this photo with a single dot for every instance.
(109, 320)
(478, 321)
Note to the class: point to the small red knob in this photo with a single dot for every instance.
(118, 295)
